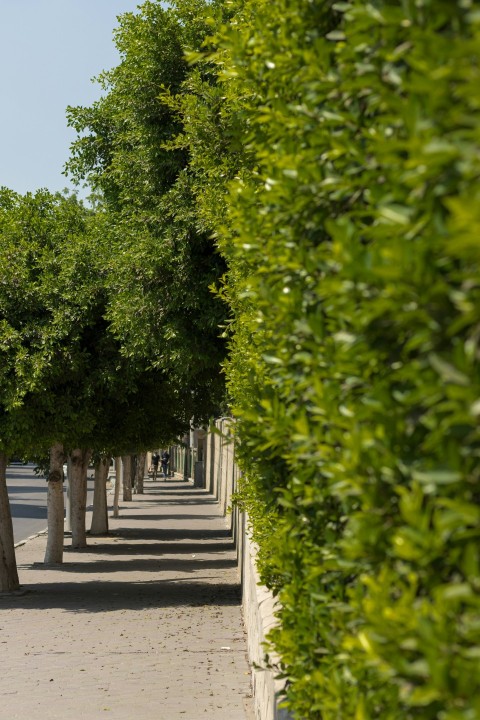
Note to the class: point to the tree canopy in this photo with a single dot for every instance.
(161, 308)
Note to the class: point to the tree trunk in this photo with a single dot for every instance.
(68, 497)
(8, 566)
(140, 474)
(54, 551)
(116, 496)
(127, 477)
(80, 460)
(133, 472)
(100, 515)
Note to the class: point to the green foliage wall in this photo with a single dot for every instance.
(350, 228)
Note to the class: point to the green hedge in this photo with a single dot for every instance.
(351, 230)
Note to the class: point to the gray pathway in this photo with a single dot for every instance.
(144, 624)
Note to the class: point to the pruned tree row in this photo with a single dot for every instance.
(109, 334)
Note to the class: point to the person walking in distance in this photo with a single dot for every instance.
(155, 461)
(165, 460)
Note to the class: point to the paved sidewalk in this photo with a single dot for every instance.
(144, 624)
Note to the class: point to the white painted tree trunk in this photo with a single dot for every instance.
(140, 473)
(127, 477)
(133, 472)
(55, 507)
(8, 565)
(118, 480)
(68, 497)
(99, 524)
(79, 460)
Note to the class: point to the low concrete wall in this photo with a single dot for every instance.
(220, 478)
(259, 617)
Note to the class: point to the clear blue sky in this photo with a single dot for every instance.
(49, 51)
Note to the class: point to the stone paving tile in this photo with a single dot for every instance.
(145, 623)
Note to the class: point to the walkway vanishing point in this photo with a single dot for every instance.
(144, 624)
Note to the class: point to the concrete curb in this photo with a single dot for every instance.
(31, 537)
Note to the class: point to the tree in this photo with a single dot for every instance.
(49, 307)
(140, 472)
(30, 338)
(55, 506)
(127, 477)
(160, 306)
(99, 525)
(8, 567)
(58, 354)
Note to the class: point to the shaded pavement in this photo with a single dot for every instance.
(145, 623)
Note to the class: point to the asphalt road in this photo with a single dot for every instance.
(28, 500)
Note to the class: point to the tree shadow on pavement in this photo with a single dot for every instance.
(200, 494)
(110, 596)
(159, 548)
(14, 489)
(23, 510)
(138, 564)
(163, 516)
(171, 499)
(161, 534)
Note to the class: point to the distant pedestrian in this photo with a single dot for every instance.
(155, 461)
(165, 459)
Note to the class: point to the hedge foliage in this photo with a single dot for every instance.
(345, 149)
